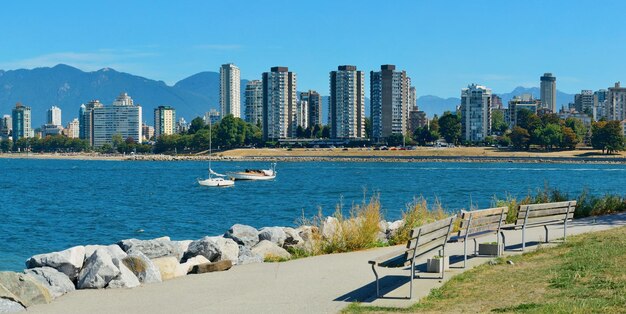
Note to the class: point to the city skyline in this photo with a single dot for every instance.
(433, 48)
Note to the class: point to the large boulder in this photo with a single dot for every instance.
(154, 248)
(273, 234)
(229, 249)
(267, 249)
(55, 281)
(167, 266)
(184, 268)
(142, 267)
(309, 235)
(114, 250)
(293, 238)
(244, 235)
(125, 279)
(206, 247)
(330, 226)
(211, 267)
(8, 306)
(23, 289)
(392, 228)
(182, 245)
(69, 261)
(98, 271)
(247, 257)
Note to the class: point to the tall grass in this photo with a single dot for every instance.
(417, 213)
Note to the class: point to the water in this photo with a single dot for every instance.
(50, 205)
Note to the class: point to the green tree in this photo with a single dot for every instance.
(577, 127)
(498, 124)
(528, 120)
(607, 136)
(570, 139)
(424, 135)
(6, 145)
(520, 138)
(231, 132)
(549, 136)
(395, 140)
(368, 127)
(326, 131)
(450, 127)
(300, 133)
(196, 125)
(434, 124)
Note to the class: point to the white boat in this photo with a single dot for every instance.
(254, 174)
(215, 179)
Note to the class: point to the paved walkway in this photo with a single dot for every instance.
(321, 284)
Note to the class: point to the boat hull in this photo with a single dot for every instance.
(212, 182)
(248, 176)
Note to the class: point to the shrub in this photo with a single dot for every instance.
(417, 214)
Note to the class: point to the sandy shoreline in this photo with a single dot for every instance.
(422, 154)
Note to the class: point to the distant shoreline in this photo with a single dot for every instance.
(476, 154)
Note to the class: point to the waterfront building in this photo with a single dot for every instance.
(585, 101)
(583, 117)
(600, 108)
(148, 131)
(182, 126)
(279, 104)
(475, 113)
(72, 130)
(616, 103)
(122, 118)
(314, 100)
(164, 121)
(54, 116)
(346, 115)
(389, 102)
(417, 119)
(51, 130)
(254, 102)
(623, 125)
(524, 101)
(230, 85)
(85, 119)
(548, 92)
(302, 113)
(6, 126)
(21, 122)
(212, 117)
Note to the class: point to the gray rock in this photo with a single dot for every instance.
(268, 249)
(244, 235)
(69, 261)
(293, 238)
(392, 228)
(330, 226)
(8, 306)
(55, 281)
(273, 234)
(114, 250)
(184, 268)
(229, 249)
(308, 235)
(168, 266)
(98, 271)
(23, 289)
(142, 267)
(155, 248)
(206, 247)
(182, 245)
(247, 257)
(125, 279)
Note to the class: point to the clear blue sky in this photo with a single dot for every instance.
(443, 45)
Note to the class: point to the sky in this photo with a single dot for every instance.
(443, 45)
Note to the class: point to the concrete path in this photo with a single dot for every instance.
(321, 284)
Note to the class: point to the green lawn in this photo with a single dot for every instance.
(586, 274)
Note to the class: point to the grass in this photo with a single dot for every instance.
(417, 214)
(584, 275)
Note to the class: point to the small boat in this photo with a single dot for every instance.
(254, 174)
(215, 179)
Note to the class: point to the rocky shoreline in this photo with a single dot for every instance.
(132, 262)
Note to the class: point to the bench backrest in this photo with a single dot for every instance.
(545, 213)
(429, 236)
(483, 221)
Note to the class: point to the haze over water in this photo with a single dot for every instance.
(50, 205)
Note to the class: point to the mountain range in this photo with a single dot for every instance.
(68, 87)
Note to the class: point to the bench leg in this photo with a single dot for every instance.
(376, 275)
(523, 238)
(546, 227)
(565, 229)
(464, 253)
(412, 275)
(503, 241)
(475, 248)
(443, 268)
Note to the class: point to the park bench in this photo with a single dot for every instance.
(479, 223)
(543, 215)
(422, 240)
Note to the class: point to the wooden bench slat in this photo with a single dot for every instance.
(549, 212)
(427, 237)
(433, 226)
(481, 221)
(547, 205)
(483, 212)
(427, 246)
(481, 229)
(537, 220)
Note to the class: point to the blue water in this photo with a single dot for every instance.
(49, 205)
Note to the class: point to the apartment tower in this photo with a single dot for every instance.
(279, 104)
(230, 83)
(346, 115)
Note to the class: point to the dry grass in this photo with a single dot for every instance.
(417, 214)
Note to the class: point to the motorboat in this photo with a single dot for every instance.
(254, 174)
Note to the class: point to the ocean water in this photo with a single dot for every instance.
(50, 205)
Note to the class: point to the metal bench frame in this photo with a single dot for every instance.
(478, 223)
(416, 243)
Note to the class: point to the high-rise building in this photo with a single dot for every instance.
(524, 101)
(279, 104)
(85, 119)
(212, 117)
(616, 103)
(181, 126)
(21, 116)
(600, 108)
(417, 119)
(548, 92)
(389, 101)
(315, 107)
(164, 121)
(54, 116)
(147, 131)
(475, 113)
(412, 97)
(6, 126)
(346, 115)
(72, 130)
(302, 113)
(254, 102)
(230, 86)
(585, 102)
(123, 118)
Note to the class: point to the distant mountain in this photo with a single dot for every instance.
(561, 97)
(68, 88)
